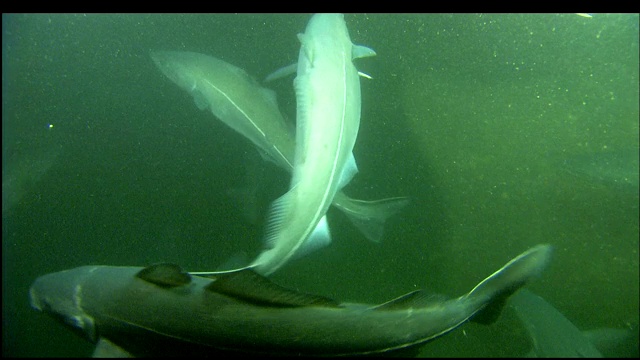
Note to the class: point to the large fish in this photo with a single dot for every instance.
(327, 87)
(241, 103)
(161, 310)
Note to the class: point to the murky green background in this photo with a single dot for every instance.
(505, 130)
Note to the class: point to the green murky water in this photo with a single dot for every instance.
(490, 123)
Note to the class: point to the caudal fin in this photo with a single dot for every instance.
(497, 288)
(369, 216)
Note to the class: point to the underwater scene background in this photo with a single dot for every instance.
(505, 130)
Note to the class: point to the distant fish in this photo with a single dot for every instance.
(22, 172)
(552, 334)
(618, 169)
(555, 336)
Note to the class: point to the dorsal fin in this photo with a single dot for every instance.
(249, 286)
(414, 299)
(164, 275)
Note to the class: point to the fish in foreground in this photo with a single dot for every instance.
(162, 310)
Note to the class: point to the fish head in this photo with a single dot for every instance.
(180, 67)
(60, 296)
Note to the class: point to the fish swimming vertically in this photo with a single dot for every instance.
(161, 310)
(327, 87)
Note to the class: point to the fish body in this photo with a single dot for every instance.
(327, 87)
(162, 310)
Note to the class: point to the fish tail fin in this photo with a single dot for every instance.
(496, 289)
(370, 216)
